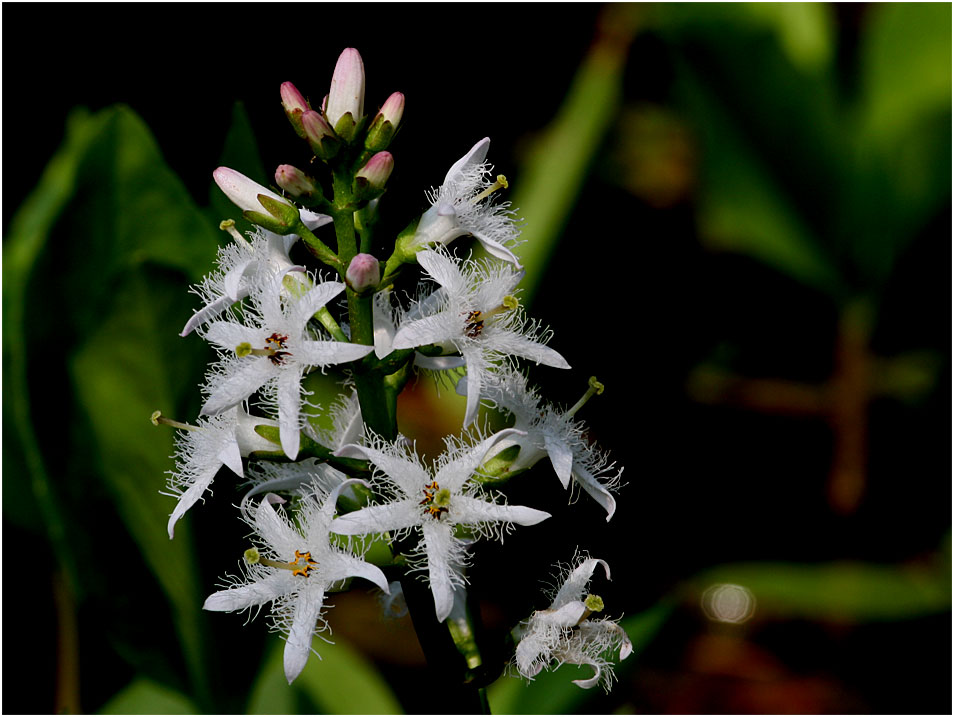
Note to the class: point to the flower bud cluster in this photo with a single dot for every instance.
(319, 494)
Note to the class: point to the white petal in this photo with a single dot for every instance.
(438, 544)
(206, 313)
(438, 363)
(298, 643)
(592, 681)
(441, 269)
(274, 528)
(576, 582)
(407, 474)
(348, 566)
(596, 491)
(289, 408)
(560, 456)
(519, 345)
(436, 329)
(497, 249)
(232, 281)
(383, 324)
(470, 511)
(191, 495)
(228, 335)
(314, 299)
(453, 475)
(378, 518)
(249, 375)
(328, 353)
(231, 456)
(476, 155)
(568, 615)
(257, 593)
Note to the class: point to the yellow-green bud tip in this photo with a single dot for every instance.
(594, 603)
(243, 349)
(596, 386)
(252, 556)
(154, 418)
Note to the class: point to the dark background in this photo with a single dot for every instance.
(709, 482)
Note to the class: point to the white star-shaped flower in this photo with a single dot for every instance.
(461, 207)
(202, 450)
(476, 314)
(563, 633)
(240, 264)
(293, 568)
(273, 349)
(433, 504)
(550, 432)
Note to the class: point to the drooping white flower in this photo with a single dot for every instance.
(476, 314)
(433, 504)
(550, 432)
(202, 450)
(563, 633)
(292, 568)
(387, 317)
(239, 265)
(272, 350)
(461, 206)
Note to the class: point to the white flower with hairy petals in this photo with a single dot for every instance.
(550, 432)
(476, 314)
(563, 633)
(240, 264)
(273, 349)
(433, 504)
(293, 568)
(461, 206)
(202, 450)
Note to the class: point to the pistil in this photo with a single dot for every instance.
(500, 183)
(157, 418)
(301, 565)
(595, 389)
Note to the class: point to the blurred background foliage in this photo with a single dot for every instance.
(738, 217)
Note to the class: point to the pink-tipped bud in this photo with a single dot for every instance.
(346, 95)
(295, 105)
(364, 273)
(321, 138)
(294, 181)
(369, 181)
(385, 123)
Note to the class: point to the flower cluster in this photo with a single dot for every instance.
(325, 478)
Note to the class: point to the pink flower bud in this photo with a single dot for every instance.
(377, 171)
(393, 109)
(385, 123)
(292, 99)
(347, 88)
(364, 272)
(294, 181)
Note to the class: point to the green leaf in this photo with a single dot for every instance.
(341, 682)
(144, 697)
(837, 592)
(553, 692)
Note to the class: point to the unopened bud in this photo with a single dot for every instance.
(385, 123)
(321, 138)
(294, 181)
(370, 180)
(364, 272)
(346, 94)
(295, 105)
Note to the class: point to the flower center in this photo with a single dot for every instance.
(274, 349)
(474, 320)
(301, 565)
(436, 500)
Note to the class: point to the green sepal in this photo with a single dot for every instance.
(346, 127)
(266, 222)
(284, 212)
(497, 471)
(379, 136)
(363, 191)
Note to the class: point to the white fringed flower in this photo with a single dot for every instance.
(273, 349)
(563, 633)
(240, 265)
(461, 206)
(550, 432)
(433, 504)
(202, 450)
(476, 314)
(292, 568)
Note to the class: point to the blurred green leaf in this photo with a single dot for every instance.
(25, 241)
(145, 697)
(555, 171)
(553, 692)
(839, 592)
(905, 67)
(341, 682)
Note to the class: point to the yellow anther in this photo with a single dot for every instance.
(229, 226)
(157, 418)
